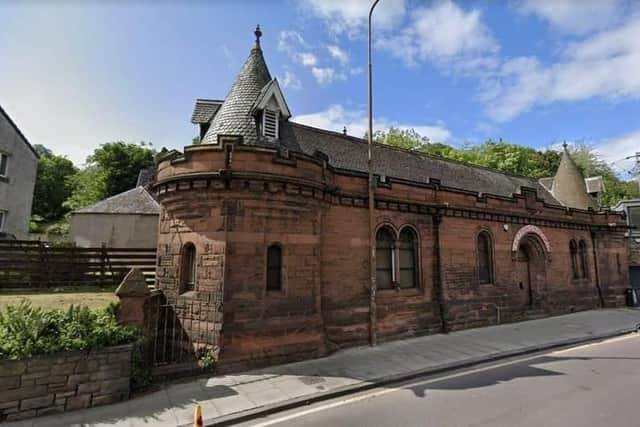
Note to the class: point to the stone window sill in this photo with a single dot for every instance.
(404, 292)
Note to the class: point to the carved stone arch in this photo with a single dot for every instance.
(388, 224)
(537, 232)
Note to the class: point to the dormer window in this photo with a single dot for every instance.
(270, 123)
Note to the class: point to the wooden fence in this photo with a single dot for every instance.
(36, 264)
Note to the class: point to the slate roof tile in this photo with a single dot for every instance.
(134, 201)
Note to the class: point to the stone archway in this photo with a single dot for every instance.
(530, 229)
(531, 272)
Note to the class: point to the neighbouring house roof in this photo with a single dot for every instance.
(17, 129)
(135, 201)
(204, 110)
(145, 177)
(234, 116)
(624, 203)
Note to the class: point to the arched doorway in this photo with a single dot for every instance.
(531, 271)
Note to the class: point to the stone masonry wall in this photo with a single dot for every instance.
(320, 218)
(63, 382)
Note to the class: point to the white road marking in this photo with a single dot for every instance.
(377, 393)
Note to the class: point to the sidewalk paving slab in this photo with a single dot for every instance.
(239, 397)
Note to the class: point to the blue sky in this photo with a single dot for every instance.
(77, 74)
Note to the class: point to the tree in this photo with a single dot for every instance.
(52, 184)
(591, 165)
(516, 159)
(88, 187)
(120, 163)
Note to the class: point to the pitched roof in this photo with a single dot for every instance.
(134, 201)
(146, 176)
(234, 116)
(568, 185)
(17, 129)
(594, 184)
(350, 153)
(204, 110)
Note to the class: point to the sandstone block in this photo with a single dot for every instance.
(36, 402)
(78, 402)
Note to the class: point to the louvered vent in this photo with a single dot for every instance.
(270, 124)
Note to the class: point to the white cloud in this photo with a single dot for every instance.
(291, 81)
(336, 117)
(604, 65)
(442, 33)
(576, 16)
(307, 59)
(290, 41)
(326, 75)
(338, 54)
(351, 16)
(614, 150)
(356, 70)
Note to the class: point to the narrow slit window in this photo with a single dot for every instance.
(573, 250)
(3, 218)
(584, 266)
(485, 258)
(274, 268)
(188, 268)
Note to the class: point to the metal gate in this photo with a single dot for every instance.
(184, 332)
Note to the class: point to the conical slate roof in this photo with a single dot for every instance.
(234, 116)
(568, 185)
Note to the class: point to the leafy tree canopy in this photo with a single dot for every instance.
(120, 163)
(52, 187)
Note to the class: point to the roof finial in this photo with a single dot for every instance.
(258, 34)
(344, 130)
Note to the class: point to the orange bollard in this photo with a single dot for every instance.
(197, 417)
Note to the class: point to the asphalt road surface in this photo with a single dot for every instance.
(591, 385)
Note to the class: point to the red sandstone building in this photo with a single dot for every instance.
(269, 219)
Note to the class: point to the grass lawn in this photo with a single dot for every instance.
(61, 298)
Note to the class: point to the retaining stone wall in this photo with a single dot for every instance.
(63, 382)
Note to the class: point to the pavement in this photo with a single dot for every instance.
(589, 385)
(236, 398)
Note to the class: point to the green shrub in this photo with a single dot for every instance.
(27, 331)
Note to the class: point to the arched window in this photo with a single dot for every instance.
(485, 258)
(274, 268)
(385, 259)
(407, 254)
(188, 268)
(582, 252)
(573, 249)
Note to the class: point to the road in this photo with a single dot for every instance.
(591, 385)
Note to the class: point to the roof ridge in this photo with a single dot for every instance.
(216, 101)
(418, 153)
